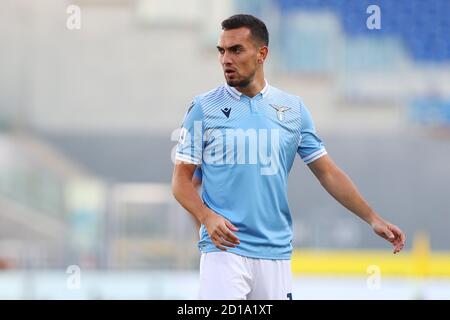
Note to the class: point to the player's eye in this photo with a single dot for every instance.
(221, 51)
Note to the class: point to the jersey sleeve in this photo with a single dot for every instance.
(190, 146)
(311, 146)
(198, 173)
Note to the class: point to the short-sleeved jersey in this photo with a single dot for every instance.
(246, 148)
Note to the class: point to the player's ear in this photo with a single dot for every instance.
(262, 54)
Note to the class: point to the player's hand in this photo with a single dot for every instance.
(391, 233)
(219, 230)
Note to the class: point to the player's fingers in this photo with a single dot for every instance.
(228, 235)
(398, 242)
(398, 245)
(231, 226)
(395, 245)
(399, 234)
(232, 237)
(217, 243)
(226, 240)
(388, 233)
(216, 231)
(401, 244)
(398, 248)
(220, 247)
(227, 243)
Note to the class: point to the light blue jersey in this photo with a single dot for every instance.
(246, 148)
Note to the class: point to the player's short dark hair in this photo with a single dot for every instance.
(258, 29)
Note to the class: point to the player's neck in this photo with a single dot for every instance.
(253, 87)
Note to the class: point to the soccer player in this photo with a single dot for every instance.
(245, 134)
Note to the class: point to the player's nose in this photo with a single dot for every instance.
(226, 60)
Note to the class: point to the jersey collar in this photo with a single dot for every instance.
(237, 94)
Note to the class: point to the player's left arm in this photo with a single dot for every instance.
(340, 186)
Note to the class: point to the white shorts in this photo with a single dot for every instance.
(228, 276)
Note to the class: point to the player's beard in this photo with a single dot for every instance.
(241, 83)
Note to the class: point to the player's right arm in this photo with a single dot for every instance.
(197, 181)
(188, 155)
(219, 229)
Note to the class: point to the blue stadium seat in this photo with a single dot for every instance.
(424, 26)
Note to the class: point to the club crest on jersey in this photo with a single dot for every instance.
(280, 111)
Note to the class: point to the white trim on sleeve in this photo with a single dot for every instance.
(184, 158)
(315, 155)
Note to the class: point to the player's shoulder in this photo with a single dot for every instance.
(199, 101)
(213, 94)
(286, 98)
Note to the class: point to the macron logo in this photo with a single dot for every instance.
(226, 112)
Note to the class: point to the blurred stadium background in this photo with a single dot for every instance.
(88, 123)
